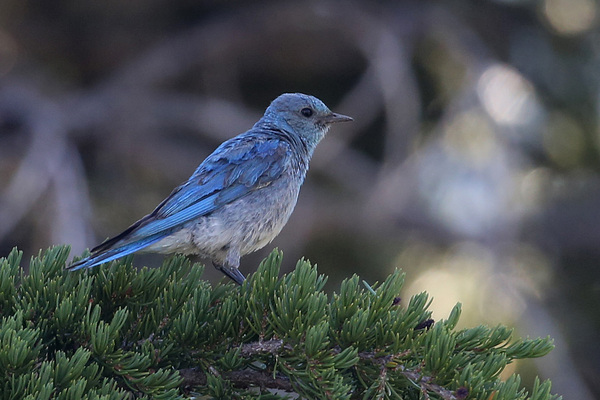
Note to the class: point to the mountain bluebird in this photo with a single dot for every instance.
(239, 198)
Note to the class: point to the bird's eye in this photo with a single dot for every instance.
(307, 112)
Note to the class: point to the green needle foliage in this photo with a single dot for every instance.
(116, 332)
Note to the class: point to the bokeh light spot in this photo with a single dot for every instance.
(570, 17)
(466, 273)
(533, 185)
(564, 140)
(507, 96)
(470, 137)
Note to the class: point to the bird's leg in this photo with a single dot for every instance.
(232, 272)
(230, 266)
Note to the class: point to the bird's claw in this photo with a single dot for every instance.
(233, 273)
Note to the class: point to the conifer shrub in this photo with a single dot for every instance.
(117, 332)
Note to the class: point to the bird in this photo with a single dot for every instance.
(239, 198)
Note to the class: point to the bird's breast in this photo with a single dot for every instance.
(248, 223)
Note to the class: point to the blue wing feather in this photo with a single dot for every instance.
(240, 162)
(195, 210)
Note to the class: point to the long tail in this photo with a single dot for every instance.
(116, 247)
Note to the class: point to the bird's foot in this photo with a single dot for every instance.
(232, 272)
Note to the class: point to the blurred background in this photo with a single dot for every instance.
(472, 163)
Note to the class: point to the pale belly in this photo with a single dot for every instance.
(244, 226)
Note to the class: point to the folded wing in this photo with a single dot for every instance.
(238, 167)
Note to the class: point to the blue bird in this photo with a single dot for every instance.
(239, 198)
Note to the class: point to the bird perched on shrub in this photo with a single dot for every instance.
(239, 198)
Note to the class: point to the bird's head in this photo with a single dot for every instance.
(302, 116)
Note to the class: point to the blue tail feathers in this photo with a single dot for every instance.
(105, 255)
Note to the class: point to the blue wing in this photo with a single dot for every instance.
(239, 166)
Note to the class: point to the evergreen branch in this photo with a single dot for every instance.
(251, 378)
(115, 332)
(244, 379)
(427, 385)
(273, 346)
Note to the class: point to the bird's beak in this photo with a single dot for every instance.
(333, 118)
